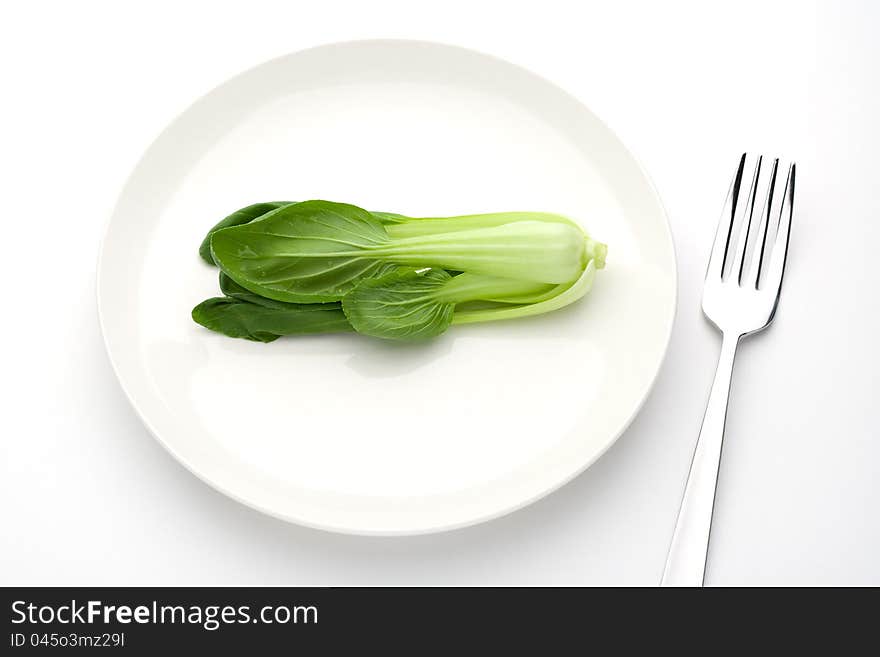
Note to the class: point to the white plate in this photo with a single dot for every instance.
(352, 434)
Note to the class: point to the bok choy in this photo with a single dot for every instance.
(316, 266)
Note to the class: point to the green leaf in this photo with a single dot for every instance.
(307, 252)
(232, 289)
(237, 218)
(388, 218)
(410, 304)
(256, 211)
(238, 318)
(400, 305)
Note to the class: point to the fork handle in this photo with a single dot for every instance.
(686, 562)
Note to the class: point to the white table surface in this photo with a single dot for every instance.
(88, 497)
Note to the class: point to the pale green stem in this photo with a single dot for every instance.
(572, 294)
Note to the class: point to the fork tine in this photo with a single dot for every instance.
(779, 253)
(741, 251)
(718, 257)
(771, 202)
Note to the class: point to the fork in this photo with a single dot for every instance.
(740, 296)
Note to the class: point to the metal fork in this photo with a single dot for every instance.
(740, 295)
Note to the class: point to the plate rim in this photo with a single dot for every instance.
(345, 530)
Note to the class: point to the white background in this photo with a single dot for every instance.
(88, 497)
